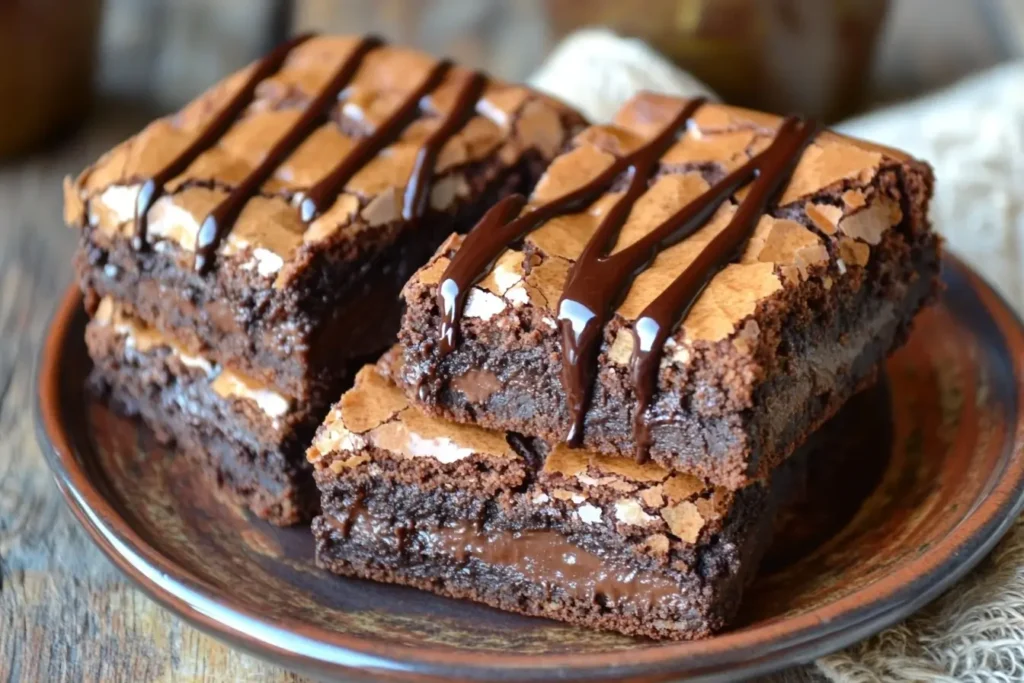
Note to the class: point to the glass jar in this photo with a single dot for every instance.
(47, 65)
(806, 56)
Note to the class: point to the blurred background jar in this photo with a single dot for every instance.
(47, 67)
(807, 56)
(827, 58)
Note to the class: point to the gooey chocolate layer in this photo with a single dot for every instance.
(539, 556)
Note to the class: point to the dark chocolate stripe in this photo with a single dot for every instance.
(461, 274)
(598, 280)
(223, 216)
(596, 283)
(321, 195)
(153, 188)
(417, 192)
(493, 234)
(221, 219)
(772, 170)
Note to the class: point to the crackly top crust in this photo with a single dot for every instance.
(269, 234)
(827, 220)
(376, 413)
(376, 417)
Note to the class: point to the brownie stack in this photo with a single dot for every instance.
(591, 408)
(240, 257)
(595, 394)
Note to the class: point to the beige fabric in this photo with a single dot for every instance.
(596, 71)
(973, 133)
(975, 632)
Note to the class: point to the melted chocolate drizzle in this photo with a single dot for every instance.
(417, 191)
(218, 223)
(501, 227)
(463, 273)
(598, 280)
(327, 188)
(770, 170)
(215, 227)
(153, 188)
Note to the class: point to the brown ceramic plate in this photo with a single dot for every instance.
(945, 435)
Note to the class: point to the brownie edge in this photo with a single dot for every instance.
(247, 440)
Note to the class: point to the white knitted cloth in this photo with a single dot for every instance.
(596, 71)
(973, 134)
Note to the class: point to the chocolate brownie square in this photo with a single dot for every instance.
(269, 225)
(242, 433)
(599, 541)
(695, 283)
(498, 518)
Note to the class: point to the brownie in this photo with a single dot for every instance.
(286, 294)
(241, 432)
(783, 322)
(599, 541)
(263, 234)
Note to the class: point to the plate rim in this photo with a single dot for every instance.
(300, 646)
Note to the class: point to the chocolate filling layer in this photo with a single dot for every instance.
(540, 556)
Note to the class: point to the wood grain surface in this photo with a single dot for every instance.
(65, 613)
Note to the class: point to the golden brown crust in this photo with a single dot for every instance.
(781, 251)
(511, 121)
(376, 413)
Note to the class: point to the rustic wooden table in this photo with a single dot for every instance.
(65, 613)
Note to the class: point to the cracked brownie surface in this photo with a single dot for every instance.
(827, 284)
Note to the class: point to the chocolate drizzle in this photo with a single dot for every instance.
(153, 188)
(223, 216)
(327, 188)
(417, 191)
(215, 226)
(502, 225)
(598, 280)
(463, 273)
(770, 170)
